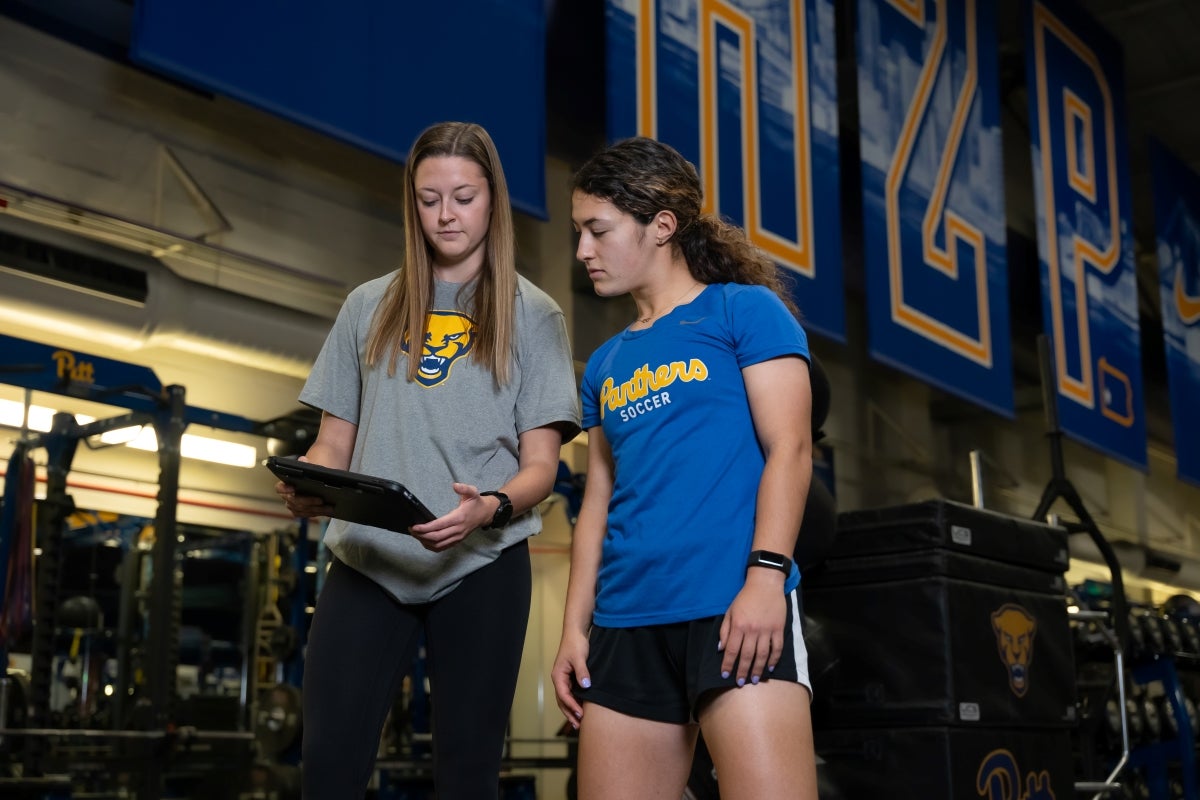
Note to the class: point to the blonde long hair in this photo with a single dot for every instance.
(404, 310)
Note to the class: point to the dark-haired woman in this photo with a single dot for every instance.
(682, 609)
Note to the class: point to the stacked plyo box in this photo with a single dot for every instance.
(952, 674)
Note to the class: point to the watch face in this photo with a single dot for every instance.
(503, 513)
(763, 558)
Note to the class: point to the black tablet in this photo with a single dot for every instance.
(354, 497)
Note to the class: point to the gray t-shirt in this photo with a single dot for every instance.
(451, 424)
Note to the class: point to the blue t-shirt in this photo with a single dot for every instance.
(673, 407)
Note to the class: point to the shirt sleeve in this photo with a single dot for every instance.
(547, 394)
(335, 382)
(598, 366)
(762, 326)
(590, 396)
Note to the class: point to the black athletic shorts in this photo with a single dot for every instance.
(659, 672)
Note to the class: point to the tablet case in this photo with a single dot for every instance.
(355, 497)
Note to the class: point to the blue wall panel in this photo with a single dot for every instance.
(373, 73)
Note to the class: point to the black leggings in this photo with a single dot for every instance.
(361, 646)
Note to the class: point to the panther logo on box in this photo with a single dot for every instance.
(1015, 628)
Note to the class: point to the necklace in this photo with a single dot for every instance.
(644, 320)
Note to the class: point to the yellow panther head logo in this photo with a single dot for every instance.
(1015, 627)
(448, 339)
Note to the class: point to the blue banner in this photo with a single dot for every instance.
(373, 73)
(933, 199)
(1085, 243)
(1177, 235)
(746, 91)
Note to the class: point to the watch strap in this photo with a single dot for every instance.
(503, 511)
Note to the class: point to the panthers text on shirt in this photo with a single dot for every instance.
(634, 397)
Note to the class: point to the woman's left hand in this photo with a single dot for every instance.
(752, 631)
(444, 532)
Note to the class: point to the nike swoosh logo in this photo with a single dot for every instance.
(692, 321)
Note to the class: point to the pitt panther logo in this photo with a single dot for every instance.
(448, 339)
(1014, 628)
(999, 778)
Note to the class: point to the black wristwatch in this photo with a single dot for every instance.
(765, 558)
(503, 513)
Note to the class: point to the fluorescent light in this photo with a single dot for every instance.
(12, 414)
(219, 451)
(202, 448)
(121, 435)
(143, 438)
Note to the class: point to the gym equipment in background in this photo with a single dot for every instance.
(954, 663)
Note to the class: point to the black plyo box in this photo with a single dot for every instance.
(940, 650)
(931, 562)
(953, 526)
(943, 763)
(943, 614)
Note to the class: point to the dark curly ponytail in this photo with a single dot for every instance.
(642, 176)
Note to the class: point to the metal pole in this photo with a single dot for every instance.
(163, 647)
(976, 479)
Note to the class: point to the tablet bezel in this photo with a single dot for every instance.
(354, 496)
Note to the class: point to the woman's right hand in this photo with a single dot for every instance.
(302, 505)
(570, 671)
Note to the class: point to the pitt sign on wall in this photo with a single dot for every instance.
(747, 92)
(1085, 244)
(933, 202)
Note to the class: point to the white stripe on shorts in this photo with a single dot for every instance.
(799, 648)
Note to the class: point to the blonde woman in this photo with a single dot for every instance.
(453, 375)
